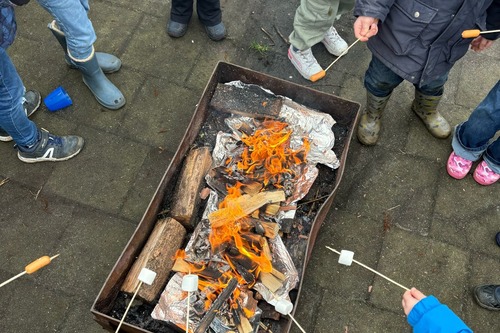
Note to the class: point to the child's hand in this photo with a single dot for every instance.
(480, 43)
(410, 298)
(365, 27)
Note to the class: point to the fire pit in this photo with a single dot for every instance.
(262, 210)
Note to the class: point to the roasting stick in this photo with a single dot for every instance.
(189, 284)
(146, 276)
(346, 259)
(284, 307)
(476, 32)
(32, 267)
(343, 53)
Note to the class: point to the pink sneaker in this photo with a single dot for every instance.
(484, 175)
(457, 166)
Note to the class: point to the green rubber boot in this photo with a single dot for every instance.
(369, 124)
(426, 109)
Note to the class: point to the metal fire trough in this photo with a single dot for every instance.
(343, 111)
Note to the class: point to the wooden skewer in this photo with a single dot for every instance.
(32, 267)
(296, 323)
(187, 313)
(371, 269)
(128, 307)
(340, 56)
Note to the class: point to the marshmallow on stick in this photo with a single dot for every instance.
(285, 307)
(189, 284)
(146, 276)
(346, 258)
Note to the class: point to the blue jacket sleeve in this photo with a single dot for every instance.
(430, 316)
(373, 8)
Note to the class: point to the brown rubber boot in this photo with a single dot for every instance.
(426, 109)
(369, 124)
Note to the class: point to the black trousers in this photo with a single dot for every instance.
(209, 12)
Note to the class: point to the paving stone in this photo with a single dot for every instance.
(336, 314)
(146, 183)
(86, 179)
(481, 230)
(30, 222)
(325, 272)
(89, 248)
(433, 267)
(45, 309)
(79, 316)
(407, 197)
(150, 50)
(457, 198)
(158, 100)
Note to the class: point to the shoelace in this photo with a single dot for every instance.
(306, 55)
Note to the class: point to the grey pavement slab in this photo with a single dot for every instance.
(396, 207)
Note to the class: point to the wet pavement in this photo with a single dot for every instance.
(396, 207)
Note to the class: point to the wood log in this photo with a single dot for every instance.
(271, 229)
(248, 204)
(216, 305)
(270, 281)
(186, 198)
(244, 325)
(272, 209)
(157, 255)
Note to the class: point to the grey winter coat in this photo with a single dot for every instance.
(420, 40)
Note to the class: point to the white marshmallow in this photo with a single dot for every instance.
(345, 257)
(190, 282)
(147, 276)
(284, 307)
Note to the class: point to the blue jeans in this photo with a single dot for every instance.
(13, 118)
(380, 81)
(71, 17)
(473, 138)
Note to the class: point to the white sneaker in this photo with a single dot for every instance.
(306, 64)
(334, 43)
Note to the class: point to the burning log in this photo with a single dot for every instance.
(157, 255)
(232, 99)
(191, 181)
(210, 314)
(247, 204)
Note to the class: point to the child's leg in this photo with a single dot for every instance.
(471, 137)
(209, 12)
(312, 19)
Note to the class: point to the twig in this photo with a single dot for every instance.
(37, 193)
(313, 200)
(281, 35)
(264, 327)
(393, 207)
(4, 181)
(268, 35)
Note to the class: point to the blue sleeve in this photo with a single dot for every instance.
(373, 8)
(430, 316)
